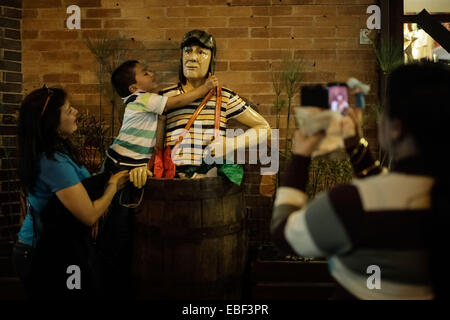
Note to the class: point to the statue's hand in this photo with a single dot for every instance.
(211, 82)
(139, 176)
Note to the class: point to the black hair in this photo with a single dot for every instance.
(37, 133)
(419, 96)
(202, 39)
(123, 77)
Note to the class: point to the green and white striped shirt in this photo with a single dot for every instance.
(137, 135)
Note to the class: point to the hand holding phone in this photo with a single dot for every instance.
(338, 97)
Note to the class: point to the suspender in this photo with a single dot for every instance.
(200, 108)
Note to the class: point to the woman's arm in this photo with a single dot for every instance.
(77, 201)
(323, 227)
(362, 160)
(291, 196)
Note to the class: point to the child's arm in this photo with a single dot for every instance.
(188, 97)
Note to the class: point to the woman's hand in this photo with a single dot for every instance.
(119, 179)
(351, 124)
(304, 145)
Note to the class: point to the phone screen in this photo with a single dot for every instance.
(338, 97)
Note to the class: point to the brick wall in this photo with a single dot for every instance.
(252, 36)
(10, 97)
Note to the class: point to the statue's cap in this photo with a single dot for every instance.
(199, 37)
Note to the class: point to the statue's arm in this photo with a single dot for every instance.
(259, 129)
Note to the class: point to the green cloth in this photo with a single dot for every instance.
(233, 172)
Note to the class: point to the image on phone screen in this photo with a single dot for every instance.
(338, 98)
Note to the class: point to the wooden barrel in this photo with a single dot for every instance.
(190, 240)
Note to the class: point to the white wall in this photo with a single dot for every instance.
(430, 5)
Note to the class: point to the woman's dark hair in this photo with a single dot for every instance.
(419, 96)
(123, 77)
(38, 133)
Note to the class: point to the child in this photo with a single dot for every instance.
(132, 149)
(133, 146)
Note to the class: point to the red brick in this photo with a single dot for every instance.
(249, 43)
(262, 76)
(207, 22)
(226, 11)
(77, 67)
(292, 21)
(230, 78)
(352, 10)
(41, 45)
(143, 13)
(293, 2)
(91, 23)
(59, 55)
(248, 66)
(271, 32)
(250, 2)
(40, 24)
(314, 10)
(346, 32)
(175, 34)
(339, 21)
(316, 54)
(95, 34)
(162, 3)
(250, 22)
(29, 13)
(82, 88)
(319, 77)
(233, 54)
(59, 35)
(325, 43)
(291, 43)
(269, 54)
(53, 13)
(126, 24)
(83, 3)
(62, 77)
(355, 54)
(165, 22)
(41, 3)
(314, 32)
(29, 34)
(221, 66)
(103, 13)
(253, 88)
(187, 11)
(229, 32)
(75, 45)
(272, 11)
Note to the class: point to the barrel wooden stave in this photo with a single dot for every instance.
(191, 243)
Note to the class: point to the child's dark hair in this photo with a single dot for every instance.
(123, 77)
(419, 96)
(37, 133)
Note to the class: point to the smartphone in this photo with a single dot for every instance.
(314, 96)
(338, 96)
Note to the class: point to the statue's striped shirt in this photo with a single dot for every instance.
(201, 131)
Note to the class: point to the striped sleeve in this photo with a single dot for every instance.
(148, 102)
(235, 106)
(290, 197)
(322, 228)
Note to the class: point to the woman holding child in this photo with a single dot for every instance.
(50, 170)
